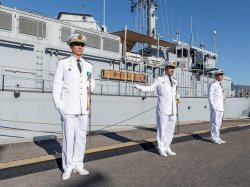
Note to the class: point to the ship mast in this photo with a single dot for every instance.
(83, 6)
(151, 7)
(214, 42)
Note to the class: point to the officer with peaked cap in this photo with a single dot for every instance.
(72, 81)
(166, 111)
(216, 101)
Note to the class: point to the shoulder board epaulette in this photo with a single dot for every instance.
(63, 58)
(89, 62)
(158, 77)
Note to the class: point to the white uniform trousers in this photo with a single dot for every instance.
(215, 123)
(74, 129)
(165, 131)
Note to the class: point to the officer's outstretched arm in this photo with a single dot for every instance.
(148, 88)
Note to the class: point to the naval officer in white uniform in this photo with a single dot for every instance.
(72, 81)
(166, 112)
(216, 101)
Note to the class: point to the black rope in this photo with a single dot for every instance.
(128, 118)
(115, 124)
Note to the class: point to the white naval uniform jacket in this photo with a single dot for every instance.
(70, 92)
(167, 95)
(216, 96)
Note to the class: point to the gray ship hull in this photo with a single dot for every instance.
(33, 115)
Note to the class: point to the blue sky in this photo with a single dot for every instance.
(229, 18)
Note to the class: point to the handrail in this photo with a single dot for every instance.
(18, 68)
(14, 71)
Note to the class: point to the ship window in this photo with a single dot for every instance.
(111, 45)
(65, 33)
(32, 27)
(172, 50)
(179, 53)
(5, 21)
(93, 40)
(185, 52)
(199, 56)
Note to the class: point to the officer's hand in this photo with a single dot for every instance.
(134, 86)
(178, 101)
(61, 113)
(214, 109)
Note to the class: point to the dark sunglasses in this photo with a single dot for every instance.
(219, 74)
(77, 44)
(170, 67)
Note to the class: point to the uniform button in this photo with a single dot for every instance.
(81, 88)
(81, 81)
(80, 75)
(80, 93)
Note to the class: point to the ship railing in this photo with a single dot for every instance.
(2, 78)
(191, 92)
(115, 87)
(119, 88)
(24, 79)
(10, 69)
(103, 87)
(25, 84)
(1, 81)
